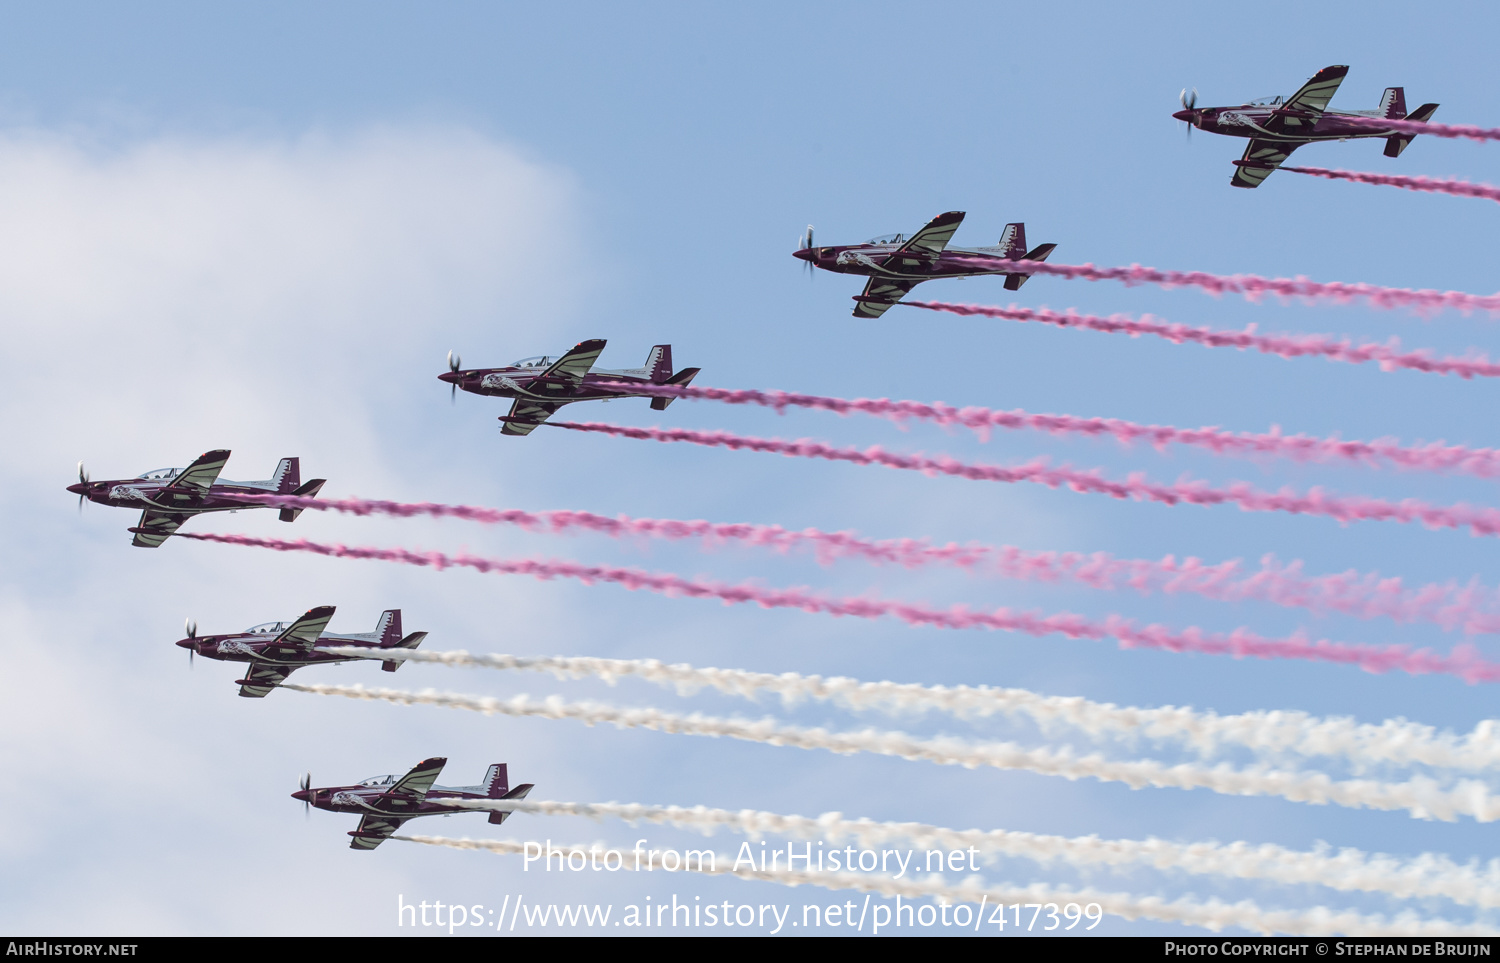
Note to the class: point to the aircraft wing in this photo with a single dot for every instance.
(305, 631)
(1313, 98)
(155, 528)
(373, 830)
(200, 476)
(882, 292)
(419, 780)
(934, 237)
(1261, 158)
(262, 677)
(571, 367)
(525, 416)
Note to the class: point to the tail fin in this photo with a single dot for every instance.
(659, 363)
(496, 781)
(410, 642)
(388, 629)
(310, 490)
(1014, 241)
(1013, 282)
(288, 476)
(681, 379)
(1396, 143)
(1393, 104)
(517, 793)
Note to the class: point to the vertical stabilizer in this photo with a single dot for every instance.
(288, 476)
(1014, 241)
(1393, 104)
(496, 781)
(388, 629)
(659, 363)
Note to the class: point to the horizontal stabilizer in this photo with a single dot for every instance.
(1013, 282)
(681, 379)
(310, 490)
(410, 642)
(1396, 143)
(517, 793)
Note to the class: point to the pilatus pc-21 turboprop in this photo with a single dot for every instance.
(277, 649)
(896, 263)
(167, 497)
(385, 802)
(543, 384)
(1277, 126)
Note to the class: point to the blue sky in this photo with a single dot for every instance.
(260, 227)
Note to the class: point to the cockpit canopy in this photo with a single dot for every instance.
(539, 361)
(887, 239)
(267, 628)
(160, 474)
(1274, 101)
(379, 781)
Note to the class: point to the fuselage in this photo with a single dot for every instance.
(373, 796)
(152, 490)
(523, 380)
(258, 644)
(1249, 120)
(877, 259)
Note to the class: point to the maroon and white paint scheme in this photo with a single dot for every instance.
(275, 650)
(543, 384)
(1277, 126)
(895, 263)
(167, 497)
(385, 802)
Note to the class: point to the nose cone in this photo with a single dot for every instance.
(1186, 115)
(188, 643)
(805, 254)
(79, 488)
(302, 795)
(452, 377)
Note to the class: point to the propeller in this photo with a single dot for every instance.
(805, 242)
(83, 479)
(306, 786)
(453, 365)
(191, 628)
(1190, 103)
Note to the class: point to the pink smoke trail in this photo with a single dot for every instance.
(1484, 462)
(1464, 661)
(1464, 131)
(1254, 287)
(1388, 356)
(1345, 508)
(1433, 185)
(1363, 595)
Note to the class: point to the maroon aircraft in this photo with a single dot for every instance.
(543, 384)
(1277, 126)
(169, 496)
(277, 649)
(895, 263)
(385, 802)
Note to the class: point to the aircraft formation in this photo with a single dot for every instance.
(539, 386)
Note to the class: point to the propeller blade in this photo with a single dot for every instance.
(453, 362)
(191, 628)
(306, 786)
(83, 475)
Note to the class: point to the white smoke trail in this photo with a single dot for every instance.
(1395, 741)
(1421, 796)
(1212, 915)
(1428, 875)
